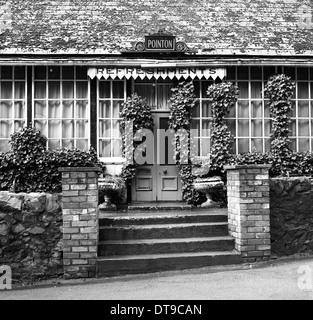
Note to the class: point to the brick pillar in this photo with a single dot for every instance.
(248, 195)
(80, 221)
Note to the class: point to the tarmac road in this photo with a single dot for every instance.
(275, 280)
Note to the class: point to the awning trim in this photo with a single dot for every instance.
(156, 73)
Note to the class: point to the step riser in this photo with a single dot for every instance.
(163, 233)
(114, 268)
(156, 248)
(161, 220)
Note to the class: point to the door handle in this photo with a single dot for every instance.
(165, 171)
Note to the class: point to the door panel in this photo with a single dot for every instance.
(160, 182)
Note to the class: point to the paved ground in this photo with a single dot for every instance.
(277, 279)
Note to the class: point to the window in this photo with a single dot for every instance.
(250, 121)
(61, 106)
(112, 95)
(202, 118)
(12, 102)
(156, 92)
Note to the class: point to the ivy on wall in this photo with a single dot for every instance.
(279, 90)
(136, 111)
(182, 101)
(223, 97)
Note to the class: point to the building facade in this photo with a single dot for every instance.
(66, 67)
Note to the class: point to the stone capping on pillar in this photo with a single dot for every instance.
(80, 221)
(248, 194)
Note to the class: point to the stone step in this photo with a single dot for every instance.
(159, 246)
(120, 265)
(159, 206)
(136, 218)
(163, 231)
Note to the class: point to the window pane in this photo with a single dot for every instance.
(54, 129)
(69, 144)
(116, 129)
(268, 72)
(304, 145)
(68, 109)
(304, 128)
(303, 73)
(206, 128)
(231, 73)
(54, 109)
(243, 109)
(19, 88)
(118, 89)
(256, 126)
(196, 84)
(105, 109)
(6, 72)
(243, 128)
(40, 90)
(81, 73)
(19, 73)
(19, 107)
(68, 73)
(243, 145)
(40, 73)
(257, 144)
(256, 109)
(40, 109)
(104, 90)
(231, 124)
(105, 148)
(117, 107)
(42, 127)
(206, 145)
(68, 90)
(303, 109)
(196, 111)
(195, 124)
(4, 144)
(243, 73)
(243, 90)
(303, 90)
(81, 109)
(81, 129)
(206, 109)
(68, 129)
(82, 144)
(82, 90)
(267, 126)
(256, 90)
(105, 129)
(117, 148)
(6, 90)
(256, 73)
(54, 144)
(6, 110)
(293, 128)
(54, 73)
(5, 129)
(54, 90)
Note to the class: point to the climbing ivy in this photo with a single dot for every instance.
(182, 101)
(223, 97)
(135, 109)
(279, 90)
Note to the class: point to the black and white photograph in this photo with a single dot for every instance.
(156, 154)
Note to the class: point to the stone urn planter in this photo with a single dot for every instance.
(207, 186)
(107, 187)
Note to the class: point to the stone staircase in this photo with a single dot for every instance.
(160, 240)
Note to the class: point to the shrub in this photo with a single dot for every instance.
(112, 187)
(29, 167)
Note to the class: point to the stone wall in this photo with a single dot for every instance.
(31, 234)
(291, 202)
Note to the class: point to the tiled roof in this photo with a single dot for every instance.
(107, 26)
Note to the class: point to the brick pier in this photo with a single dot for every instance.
(80, 221)
(248, 194)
